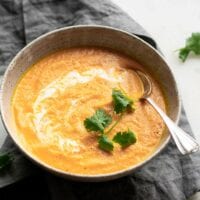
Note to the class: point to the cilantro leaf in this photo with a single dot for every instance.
(98, 122)
(105, 144)
(183, 54)
(192, 45)
(5, 160)
(121, 101)
(125, 138)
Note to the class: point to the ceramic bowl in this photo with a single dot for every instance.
(99, 36)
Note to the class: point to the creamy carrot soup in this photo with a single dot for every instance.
(56, 95)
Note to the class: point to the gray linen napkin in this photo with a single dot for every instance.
(169, 176)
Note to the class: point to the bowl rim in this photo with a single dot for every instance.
(78, 176)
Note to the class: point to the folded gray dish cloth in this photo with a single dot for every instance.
(169, 176)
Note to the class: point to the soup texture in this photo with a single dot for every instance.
(56, 94)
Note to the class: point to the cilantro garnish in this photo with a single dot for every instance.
(105, 143)
(98, 122)
(121, 101)
(125, 139)
(192, 45)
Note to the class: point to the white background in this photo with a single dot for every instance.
(170, 23)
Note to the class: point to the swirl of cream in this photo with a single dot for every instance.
(47, 130)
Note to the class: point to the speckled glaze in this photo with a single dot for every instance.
(99, 36)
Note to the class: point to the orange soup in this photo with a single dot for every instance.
(61, 90)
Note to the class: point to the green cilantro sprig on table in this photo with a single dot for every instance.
(192, 45)
(100, 120)
(5, 160)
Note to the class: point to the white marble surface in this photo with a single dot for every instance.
(170, 23)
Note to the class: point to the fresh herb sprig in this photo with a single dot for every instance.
(100, 120)
(125, 138)
(5, 160)
(105, 143)
(192, 45)
(121, 101)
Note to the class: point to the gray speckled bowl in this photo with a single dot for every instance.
(99, 36)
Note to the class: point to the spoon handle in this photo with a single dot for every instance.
(185, 143)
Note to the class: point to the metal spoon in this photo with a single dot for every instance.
(185, 143)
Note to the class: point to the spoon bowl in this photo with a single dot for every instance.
(146, 82)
